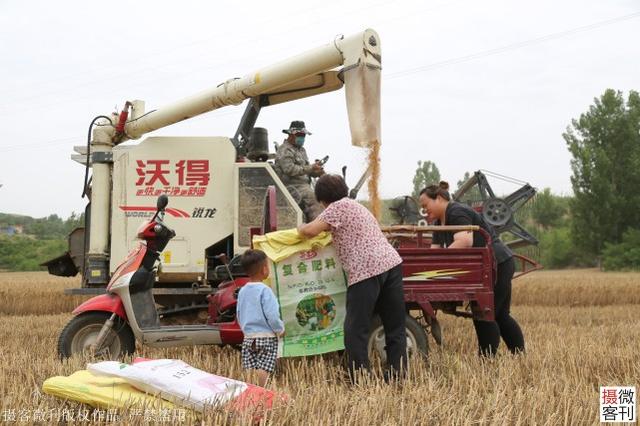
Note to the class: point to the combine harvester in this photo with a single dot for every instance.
(224, 190)
(216, 184)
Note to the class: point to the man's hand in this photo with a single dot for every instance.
(316, 170)
(281, 334)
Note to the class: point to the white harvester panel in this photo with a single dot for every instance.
(196, 173)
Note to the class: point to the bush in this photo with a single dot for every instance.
(556, 248)
(624, 255)
(22, 253)
(558, 251)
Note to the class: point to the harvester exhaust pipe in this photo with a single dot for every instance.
(96, 268)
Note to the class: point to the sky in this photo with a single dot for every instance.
(469, 85)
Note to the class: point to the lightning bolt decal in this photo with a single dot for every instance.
(437, 274)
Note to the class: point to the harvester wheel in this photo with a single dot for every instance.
(78, 336)
(416, 340)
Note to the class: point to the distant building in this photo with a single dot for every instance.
(11, 230)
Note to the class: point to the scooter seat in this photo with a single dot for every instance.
(221, 272)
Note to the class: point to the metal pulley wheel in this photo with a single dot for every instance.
(405, 211)
(497, 212)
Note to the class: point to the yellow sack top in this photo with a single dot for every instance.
(101, 391)
(279, 245)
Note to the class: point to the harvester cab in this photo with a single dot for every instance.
(219, 186)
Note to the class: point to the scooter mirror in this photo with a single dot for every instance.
(163, 201)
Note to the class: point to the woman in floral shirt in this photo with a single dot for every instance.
(374, 273)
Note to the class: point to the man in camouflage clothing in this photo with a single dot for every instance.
(293, 168)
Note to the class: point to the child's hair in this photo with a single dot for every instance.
(432, 191)
(252, 261)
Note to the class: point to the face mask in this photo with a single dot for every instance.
(300, 141)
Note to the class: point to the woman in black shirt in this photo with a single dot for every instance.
(436, 201)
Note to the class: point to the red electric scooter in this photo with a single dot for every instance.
(109, 325)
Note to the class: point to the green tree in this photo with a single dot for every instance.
(427, 173)
(556, 249)
(605, 145)
(52, 226)
(472, 194)
(74, 221)
(548, 210)
(624, 255)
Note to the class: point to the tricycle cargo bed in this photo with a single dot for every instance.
(445, 279)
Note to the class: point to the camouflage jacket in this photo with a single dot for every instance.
(292, 165)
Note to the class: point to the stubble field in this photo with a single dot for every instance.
(582, 330)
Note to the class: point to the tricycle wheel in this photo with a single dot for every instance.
(436, 331)
(79, 335)
(416, 339)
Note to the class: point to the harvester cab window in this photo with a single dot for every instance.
(253, 180)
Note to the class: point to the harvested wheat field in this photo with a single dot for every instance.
(582, 330)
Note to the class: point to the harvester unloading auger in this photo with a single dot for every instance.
(216, 184)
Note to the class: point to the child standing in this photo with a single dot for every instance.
(258, 314)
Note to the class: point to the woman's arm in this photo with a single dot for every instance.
(463, 239)
(311, 229)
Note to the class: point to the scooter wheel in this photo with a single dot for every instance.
(78, 336)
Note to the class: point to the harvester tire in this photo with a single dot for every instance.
(77, 336)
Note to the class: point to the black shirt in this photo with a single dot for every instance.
(462, 214)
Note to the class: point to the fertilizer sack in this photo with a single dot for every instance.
(307, 278)
(187, 386)
(100, 391)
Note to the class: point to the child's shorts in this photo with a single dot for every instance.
(260, 353)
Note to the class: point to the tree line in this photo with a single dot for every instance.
(42, 239)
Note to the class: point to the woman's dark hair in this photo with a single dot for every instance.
(252, 261)
(442, 189)
(330, 188)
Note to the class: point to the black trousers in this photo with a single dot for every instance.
(382, 294)
(489, 332)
